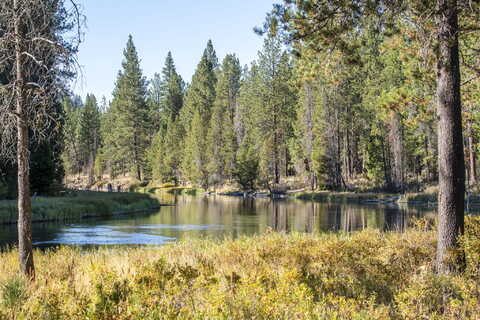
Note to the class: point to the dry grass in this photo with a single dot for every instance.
(365, 275)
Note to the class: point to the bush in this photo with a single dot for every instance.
(364, 275)
(13, 292)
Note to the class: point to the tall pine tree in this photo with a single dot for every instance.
(90, 134)
(222, 141)
(131, 118)
(195, 118)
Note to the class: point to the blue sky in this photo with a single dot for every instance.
(159, 26)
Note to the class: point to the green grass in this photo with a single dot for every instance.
(79, 204)
(364, 275)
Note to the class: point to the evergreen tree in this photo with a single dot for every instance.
(172, 90)
(198, 105)
(276, 111)
(211, 55)
(131, 118)
(90, 134)
(172, 146)
(165, 95)
(195, 160)
(246, 168)
(441, 21)
(72, 151)
(221, 137)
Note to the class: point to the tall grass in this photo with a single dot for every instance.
(365, 275)
(77, 205)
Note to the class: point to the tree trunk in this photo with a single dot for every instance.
(385, 166)
(276, 156)
(472, 156)
(396, 146)
(91, 168)
(450, 142)
(136, 159)
(24, 200)
(308, 122)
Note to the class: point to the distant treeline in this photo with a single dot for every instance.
(329, 120)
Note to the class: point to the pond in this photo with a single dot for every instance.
(218, 217)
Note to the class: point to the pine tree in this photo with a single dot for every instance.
(72, 152)
(172, 146)
(198, 106)
(90, 134)
(246, 168)
(276, 111)
(222, 142)
(131, 117)
(195, 160)
(211, 55)
(439, 20)
(201, 92)
(165, 95)
(172, 90)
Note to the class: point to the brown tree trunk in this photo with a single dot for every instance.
(396, 145)
(472, 156)
(276, 156)
(24, 200)
(91, 167)
(450, 141)
(308, 121)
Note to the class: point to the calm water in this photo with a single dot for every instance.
(218, 217)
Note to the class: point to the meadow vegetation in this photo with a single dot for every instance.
(75, 205)
(363, 275)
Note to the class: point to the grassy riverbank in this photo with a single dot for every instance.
(79, 204)
(420, 198)
(366, 275)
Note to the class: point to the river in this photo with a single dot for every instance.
(218, 217)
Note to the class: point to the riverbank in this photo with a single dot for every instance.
(364, 275)
(472, 200)
(77, 205)
(429, 197)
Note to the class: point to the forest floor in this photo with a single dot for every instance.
(76, 205)
(362, 275)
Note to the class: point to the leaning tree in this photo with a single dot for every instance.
(38, 43)
(321, 25)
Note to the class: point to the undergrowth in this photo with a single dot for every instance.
(364, 275)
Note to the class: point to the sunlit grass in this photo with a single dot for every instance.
(364, 275)
(79, 204)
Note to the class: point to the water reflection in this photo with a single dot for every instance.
(218, 217)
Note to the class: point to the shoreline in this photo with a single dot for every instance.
(81, 205)
(91, 216)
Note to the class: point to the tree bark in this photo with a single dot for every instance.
(24, 200)
(308, 122)
(276, 156)
(472, 156)
(396, 145)
(450, 142)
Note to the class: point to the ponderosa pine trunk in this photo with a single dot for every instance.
(450, 141)
(396, 146)
(308, 122)
(472, 156)
(24, 200)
